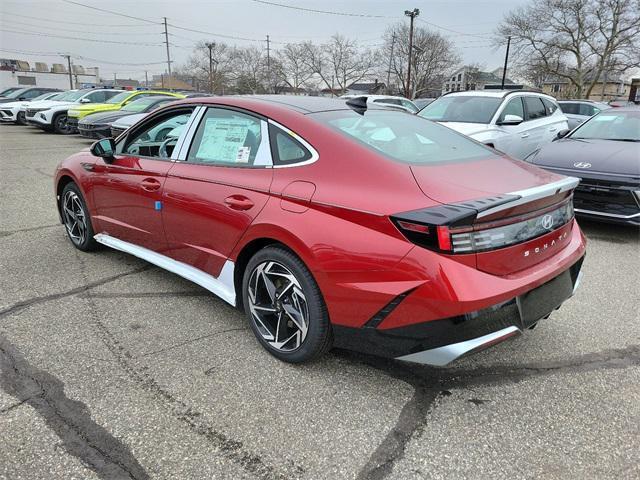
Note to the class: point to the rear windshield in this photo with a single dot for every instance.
(611, 125)
(461, 108)
(404, 137)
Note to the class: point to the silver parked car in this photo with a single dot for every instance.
(577, 111)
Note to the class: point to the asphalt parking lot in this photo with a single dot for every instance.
(112, 368)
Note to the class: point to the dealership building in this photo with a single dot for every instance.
(18, 73)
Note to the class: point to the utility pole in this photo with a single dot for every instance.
(411, 14)
(210, 46)
(506, 61)
(68, 57)
(115, 79)
(166, 38)
(393, 44)
(146, 79)
(268, 64)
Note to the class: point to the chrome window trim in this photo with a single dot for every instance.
(532, 194)
(604, 214)
(314, 153)
(187, 135)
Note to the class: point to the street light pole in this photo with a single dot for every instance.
(210, 46)
(506, 61)
(393, 44)
(166, 38)
(411, 14)
(68, 57)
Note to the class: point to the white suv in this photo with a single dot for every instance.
(515, 122)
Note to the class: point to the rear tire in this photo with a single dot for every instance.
(285, 307)
(21, 119)
(76, 218)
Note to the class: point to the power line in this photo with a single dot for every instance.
(12, 22)
(231, 37)
(112, 12)
(479, 35)
(326, 12)
(80, 38)
(49, 20)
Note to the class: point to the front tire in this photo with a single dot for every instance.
(60, 124)
(76, 218)
(21, 118)
(285, 307)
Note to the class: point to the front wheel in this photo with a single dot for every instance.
(77, 221)
(21, 118)
(285, 307)
(60, 124)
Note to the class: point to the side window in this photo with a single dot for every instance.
(97, 97)
(287, 150)
(570, 108)
(588, 110)
(110, 93)
(535, 108)
(514, 107)
(31, 94)
(158, 138)
(550, 106)
(231, 138)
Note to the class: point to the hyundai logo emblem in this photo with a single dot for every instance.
(582, 165)
(547, 222)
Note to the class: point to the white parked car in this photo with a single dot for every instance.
(51, 115)
(577, 111)
(14, 112)
(123, 123)
(390, 101)
(515, 122)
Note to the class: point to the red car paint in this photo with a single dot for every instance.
(334, 214)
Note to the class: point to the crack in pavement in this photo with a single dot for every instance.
(431, 384)
(6, 233)
(233, 450)
(147, 294)
(17, 307)
(193, 340)
(70, 419)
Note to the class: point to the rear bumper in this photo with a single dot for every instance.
(439, 342)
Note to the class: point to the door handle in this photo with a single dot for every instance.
(238, 202)
(524, 135)
(150, 184)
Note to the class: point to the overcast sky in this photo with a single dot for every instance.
(247, 19)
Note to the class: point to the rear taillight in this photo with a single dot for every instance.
(461, 235)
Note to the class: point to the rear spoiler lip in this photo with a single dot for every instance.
(532, 194)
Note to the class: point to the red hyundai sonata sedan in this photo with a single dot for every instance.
(333, 223)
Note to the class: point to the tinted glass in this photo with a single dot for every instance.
(16, 93)
(288, 149)
(119, 98)
(535, 108)
(158, 138)
(550, 106)
(73, 95)
(142, 104)
(588, 110)
(462, 108)
(570, 108)
(404, 138)
(7, 91)
(611, 125)
(227, 137)
(514, 107)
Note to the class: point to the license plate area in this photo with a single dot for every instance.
(541, 301)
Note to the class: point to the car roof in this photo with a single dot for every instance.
(300, 103)
(495, 93)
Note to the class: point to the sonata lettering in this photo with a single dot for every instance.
(547, 245)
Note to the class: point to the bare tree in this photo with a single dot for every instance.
(197, 66)
(575, 40)
(250, 70)
(290, 66)
(338, 63)
(433, 58)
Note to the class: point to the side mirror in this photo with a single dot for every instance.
(85, 100)
(562, 134)
(104, 148)
(511, 120)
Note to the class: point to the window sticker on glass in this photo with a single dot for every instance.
(224, 140)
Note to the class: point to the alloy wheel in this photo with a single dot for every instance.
(278, 306)
(61, 124)
(75, 218)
